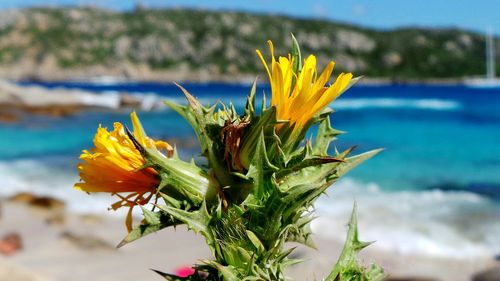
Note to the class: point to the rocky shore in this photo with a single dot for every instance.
(17, 100)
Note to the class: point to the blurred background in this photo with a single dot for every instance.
(429, 96)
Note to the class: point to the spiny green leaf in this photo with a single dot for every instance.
(291, 262)
(259, 167)
(195, 220)
(196, 276)
(264, 123)
(244, 256)
(197, 116)
(298, 156)
(305, 164)
(171, 201)
(351, 162)
(151, 217)
(193, 119)
(281, 256)
(182, 177)
(300, 197)
(326, 134)
(375, 273)
(347, 267)
(318, 175)
(296, 56)
(228, 273)
(250, 104)
(301, 231)
(255, 241)
(168, 276)
(156, 221)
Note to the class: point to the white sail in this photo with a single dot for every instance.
(490, 81)
(490, 56)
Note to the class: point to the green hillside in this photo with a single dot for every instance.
(54, 43)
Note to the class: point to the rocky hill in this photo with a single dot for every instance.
(177, 44)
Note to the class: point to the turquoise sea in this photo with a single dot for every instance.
(434, 190)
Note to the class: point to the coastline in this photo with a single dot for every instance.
(16, 100)
(230, 79)
(130, 73)
(79, 246)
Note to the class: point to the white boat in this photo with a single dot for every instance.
(490, 81)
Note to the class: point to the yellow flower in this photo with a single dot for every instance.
(297, 97)
(114, 165)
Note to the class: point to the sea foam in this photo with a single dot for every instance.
(437, 223)
(366, 103)
(396, 103)
(44, 179)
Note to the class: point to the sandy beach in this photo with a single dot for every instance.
(62, 246)
(83, 248)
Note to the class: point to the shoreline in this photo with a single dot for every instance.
(16, 100)
(80, 246)
(243, 79)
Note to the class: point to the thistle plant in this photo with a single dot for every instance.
(256, 191)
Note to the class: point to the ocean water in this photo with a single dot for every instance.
(435, 190)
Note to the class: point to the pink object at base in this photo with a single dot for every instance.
(184, 271)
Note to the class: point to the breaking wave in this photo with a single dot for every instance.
(437, 223)
(397, 103)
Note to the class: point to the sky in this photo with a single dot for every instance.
(478, 15)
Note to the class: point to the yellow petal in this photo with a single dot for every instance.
(114, 165)
(308, 95)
